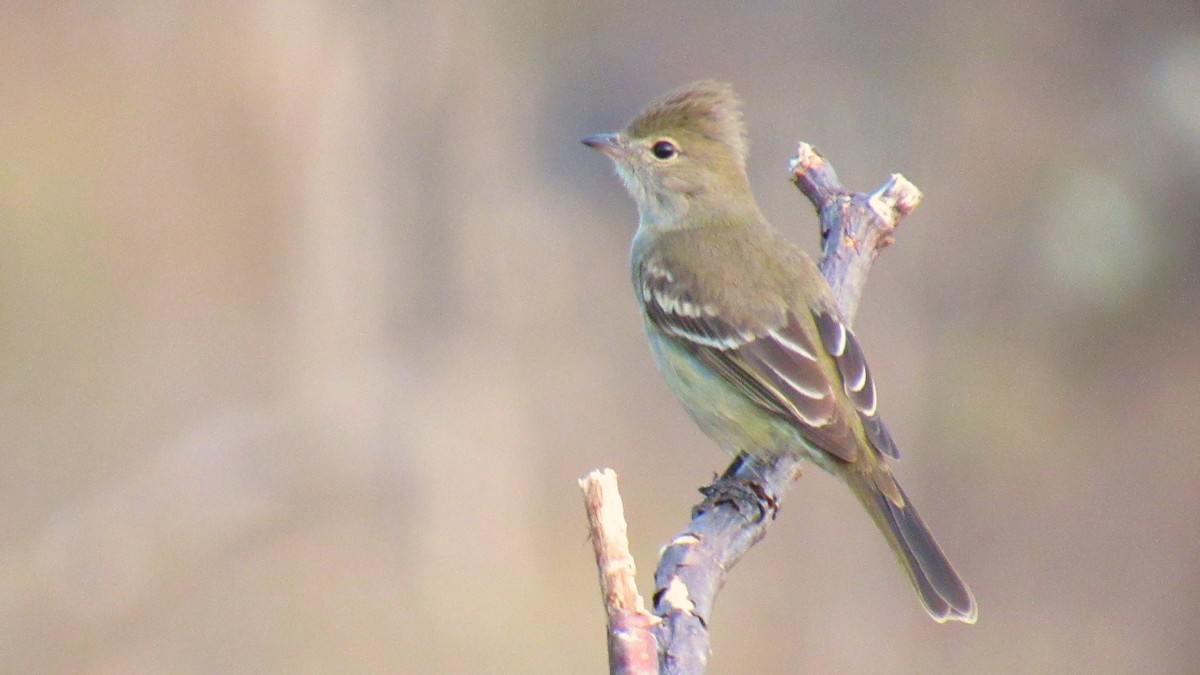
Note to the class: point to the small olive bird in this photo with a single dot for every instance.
(744, 327)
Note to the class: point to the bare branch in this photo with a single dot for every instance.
(740, 505)
(632, 649)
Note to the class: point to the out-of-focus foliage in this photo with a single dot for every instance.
(311, 314)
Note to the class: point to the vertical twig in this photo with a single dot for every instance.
(632, 649)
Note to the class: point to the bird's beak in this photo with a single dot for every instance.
(610, 144)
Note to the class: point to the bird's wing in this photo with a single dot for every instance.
(776, 364)
(840, 343)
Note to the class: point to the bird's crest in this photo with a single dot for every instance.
(706, 107)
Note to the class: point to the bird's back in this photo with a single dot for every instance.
(751, 274)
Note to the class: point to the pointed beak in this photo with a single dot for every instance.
(609, 144)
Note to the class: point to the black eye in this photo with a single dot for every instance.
(664, 150)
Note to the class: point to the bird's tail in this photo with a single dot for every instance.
(944, 594)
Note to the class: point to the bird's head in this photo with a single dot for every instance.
(686, 149)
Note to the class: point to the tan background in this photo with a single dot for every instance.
(311, 314)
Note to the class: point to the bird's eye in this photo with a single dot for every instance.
(664, 150)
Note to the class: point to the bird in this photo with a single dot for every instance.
(745, 329)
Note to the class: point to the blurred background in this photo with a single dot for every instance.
(311, 315)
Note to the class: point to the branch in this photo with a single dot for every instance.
(742, 503)
(632, 649)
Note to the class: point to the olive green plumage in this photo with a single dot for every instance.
(744, 328)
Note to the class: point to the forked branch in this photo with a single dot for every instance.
(741, 504)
